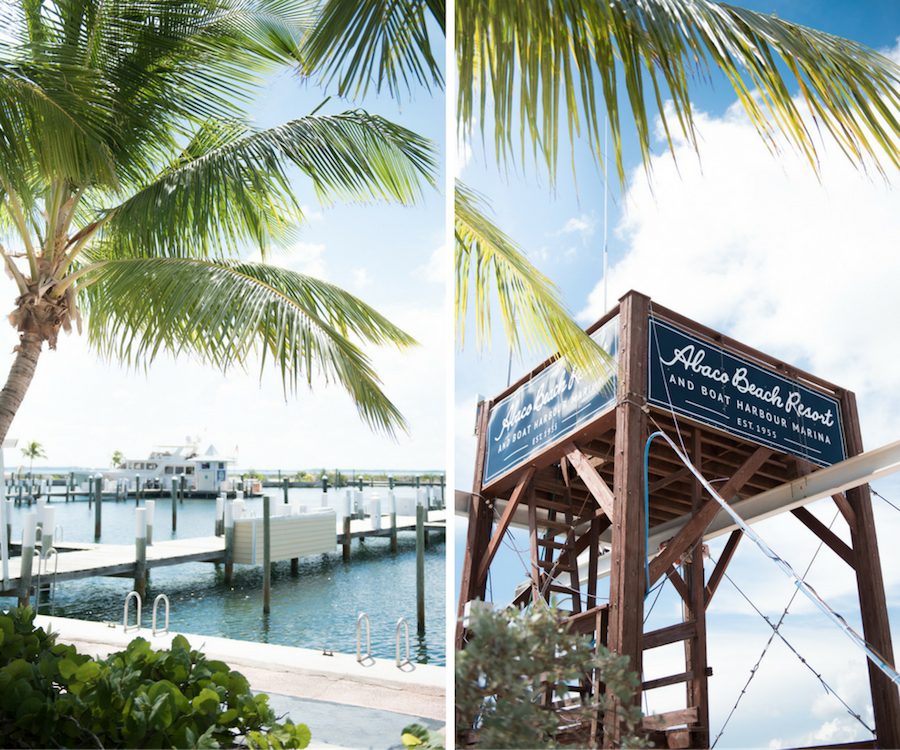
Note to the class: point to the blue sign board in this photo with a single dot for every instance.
(702, 381)
(550, 406)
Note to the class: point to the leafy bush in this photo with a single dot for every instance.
(417, 737)
(502, 673)
(52, 696)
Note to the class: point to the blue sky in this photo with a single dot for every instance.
(759, 249)
(392, 257)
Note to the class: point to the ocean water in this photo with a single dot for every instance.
(315, 608)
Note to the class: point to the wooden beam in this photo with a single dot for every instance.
(694, 528)
(670, 719)
(535, 549)
(674, 679)
(870, 582)
(846, 510)
(826, 535)
(672, 634)
(479, 529)
(591, 478)
(679, 584)
(584, 622)
(716, 577)
(666, 481)
(503, 525)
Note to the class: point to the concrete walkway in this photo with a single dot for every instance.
(345, 703)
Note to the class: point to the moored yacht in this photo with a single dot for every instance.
(206, 473)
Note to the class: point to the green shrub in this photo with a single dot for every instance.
(52, 696)
(502, 673)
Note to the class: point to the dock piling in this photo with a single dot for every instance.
(28, 534)
(140, 551)
(267, 556)
(174, 503)
(98, 512)
(420, 566)
(392, 501)
(220, 511)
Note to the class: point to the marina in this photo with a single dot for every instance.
(315, 599)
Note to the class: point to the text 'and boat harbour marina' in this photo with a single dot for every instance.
(336, 553)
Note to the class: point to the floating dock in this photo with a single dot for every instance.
(77, 560)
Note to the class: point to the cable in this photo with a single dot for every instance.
(802, 585)
(825, 685)
(775, 631)
(878, 494)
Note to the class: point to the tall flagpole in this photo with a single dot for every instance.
(605, 202)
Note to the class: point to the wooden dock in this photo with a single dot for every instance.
(86, 560)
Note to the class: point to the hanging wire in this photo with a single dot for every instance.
(878, 494)
(802, 585)
(776, 631)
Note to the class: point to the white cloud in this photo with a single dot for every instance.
(435, 270)
(756, 246)
(311, 214)
(302, 257)
(583, 225)
(361, 278)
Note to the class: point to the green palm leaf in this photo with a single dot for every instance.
(221, 194)
(594, 59)
(385, 41)
(221, 313)
(486, 260)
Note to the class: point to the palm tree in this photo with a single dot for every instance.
(32, 451)
(131, 181)
(524, 64)
(117, 459)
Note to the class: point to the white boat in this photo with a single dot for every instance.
(205, 473)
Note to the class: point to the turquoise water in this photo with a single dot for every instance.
(315, 608)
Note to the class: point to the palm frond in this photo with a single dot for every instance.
(529, 302)
(359, 42)
(221, 313)
(213, 201)
(594, 59)
(54, 120)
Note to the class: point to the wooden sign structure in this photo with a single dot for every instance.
(577, 483)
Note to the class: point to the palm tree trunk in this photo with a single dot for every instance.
(20, 376)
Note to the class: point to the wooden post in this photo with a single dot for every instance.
(181, 494)
(28, 533)
(229, 542)
(628, 553)
(479, 530)
(140, 551)
(695, 647)
(286, 482)
(870, 583)
(392, 499)
(420, 567)
(174, 503)
(98, 516)
(267, 557)
(137, 490)
(346, 538)
(220, 511)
